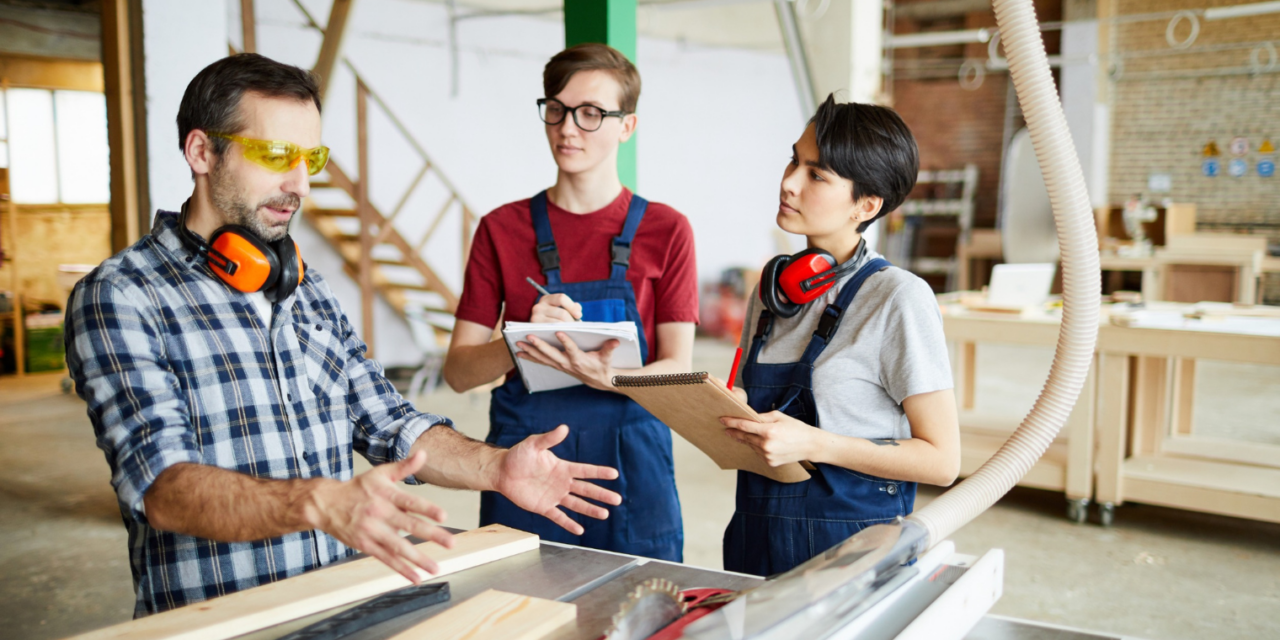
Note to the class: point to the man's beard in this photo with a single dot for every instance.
(228, 200)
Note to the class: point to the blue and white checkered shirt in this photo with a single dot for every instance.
(176, 367)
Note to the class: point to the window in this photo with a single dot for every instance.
(55, 145)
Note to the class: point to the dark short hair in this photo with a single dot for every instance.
(212, 100)
(593, 56)
(871, 146)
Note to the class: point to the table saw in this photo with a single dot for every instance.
(943, 594)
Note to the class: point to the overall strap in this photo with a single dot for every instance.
(548, 255)
(764, 326)
(621, 250)
(834, 312)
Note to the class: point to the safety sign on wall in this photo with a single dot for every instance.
(1237, 167)
(1210, 166)
(1239, 146)
(1266, 164)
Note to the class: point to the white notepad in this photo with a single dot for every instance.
(589, 336)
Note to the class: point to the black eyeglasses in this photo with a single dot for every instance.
(588, 117)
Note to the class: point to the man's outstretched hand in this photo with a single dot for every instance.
(536, 480)
(367, 513)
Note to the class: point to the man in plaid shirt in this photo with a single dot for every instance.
(229, 418)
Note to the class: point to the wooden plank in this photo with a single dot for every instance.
(1189, 344)
(363, 206)
(332, 43)
(1184, 395)
(315, 591)
(248, 27)
(1179, 496)
(75, 75)
(1112, 430)
(495, 615)
(1080, 438)
(121, 123)
(1234, 451)
(1150, 402)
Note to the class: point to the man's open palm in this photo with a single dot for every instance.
(536, 480)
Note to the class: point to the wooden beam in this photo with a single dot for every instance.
(366, 217)
(315, 591)
(121, 124)
(248, 28)
(332, 43)
(11, 256)
(47, 73)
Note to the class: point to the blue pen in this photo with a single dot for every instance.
(544, 292)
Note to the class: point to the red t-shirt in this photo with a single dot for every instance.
(663, 270)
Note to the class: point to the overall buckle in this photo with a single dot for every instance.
(548, 257)
(764, 325)
(829, 322)
(621, 254)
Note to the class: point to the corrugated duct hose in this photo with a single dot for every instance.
(816, 598)
(1081, 282)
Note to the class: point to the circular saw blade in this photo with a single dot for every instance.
(652, 605)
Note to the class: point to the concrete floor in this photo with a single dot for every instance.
(1158, 573)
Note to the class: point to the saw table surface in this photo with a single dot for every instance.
(598, 582)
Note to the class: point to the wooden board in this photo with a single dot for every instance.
(495, 615)
(693, 409)
(315, 591)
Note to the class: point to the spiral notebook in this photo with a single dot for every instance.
(692, 405)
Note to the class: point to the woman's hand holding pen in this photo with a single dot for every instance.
(593, 368)
(777, 438)
(556, 307)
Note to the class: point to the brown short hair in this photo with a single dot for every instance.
(593, 56)
(211, 102)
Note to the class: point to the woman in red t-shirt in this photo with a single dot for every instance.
(604, 254)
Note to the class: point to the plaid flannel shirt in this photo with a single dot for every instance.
(176, 367)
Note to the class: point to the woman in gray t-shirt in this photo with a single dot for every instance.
(849, 369)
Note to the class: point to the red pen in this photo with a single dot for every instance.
(733, 373)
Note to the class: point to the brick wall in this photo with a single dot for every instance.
(954, 126)
(1167, 105)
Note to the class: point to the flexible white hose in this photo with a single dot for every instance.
(1081, 281)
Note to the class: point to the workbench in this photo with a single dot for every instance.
(1131, 435)
(1067, 466)
(598, 581)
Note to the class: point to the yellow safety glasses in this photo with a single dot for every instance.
(279, 156)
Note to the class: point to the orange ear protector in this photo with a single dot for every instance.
(238, 257)
(788, 283)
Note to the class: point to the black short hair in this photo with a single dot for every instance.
(212, 100)
(871, 146)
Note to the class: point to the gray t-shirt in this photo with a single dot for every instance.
(889, 346)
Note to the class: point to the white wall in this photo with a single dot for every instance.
(180, 37)
(716, 124)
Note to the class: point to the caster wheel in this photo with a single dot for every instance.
(1107, 513)
(1078, 510)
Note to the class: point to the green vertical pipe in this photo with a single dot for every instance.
(612, 22)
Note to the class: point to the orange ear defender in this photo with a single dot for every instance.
(238, 257)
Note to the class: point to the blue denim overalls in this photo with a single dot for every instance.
(777, 526)
(604, 428)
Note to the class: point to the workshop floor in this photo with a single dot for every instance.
(1158, 573)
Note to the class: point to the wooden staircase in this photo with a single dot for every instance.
(393, 255)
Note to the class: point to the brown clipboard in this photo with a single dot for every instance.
(691, 404)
